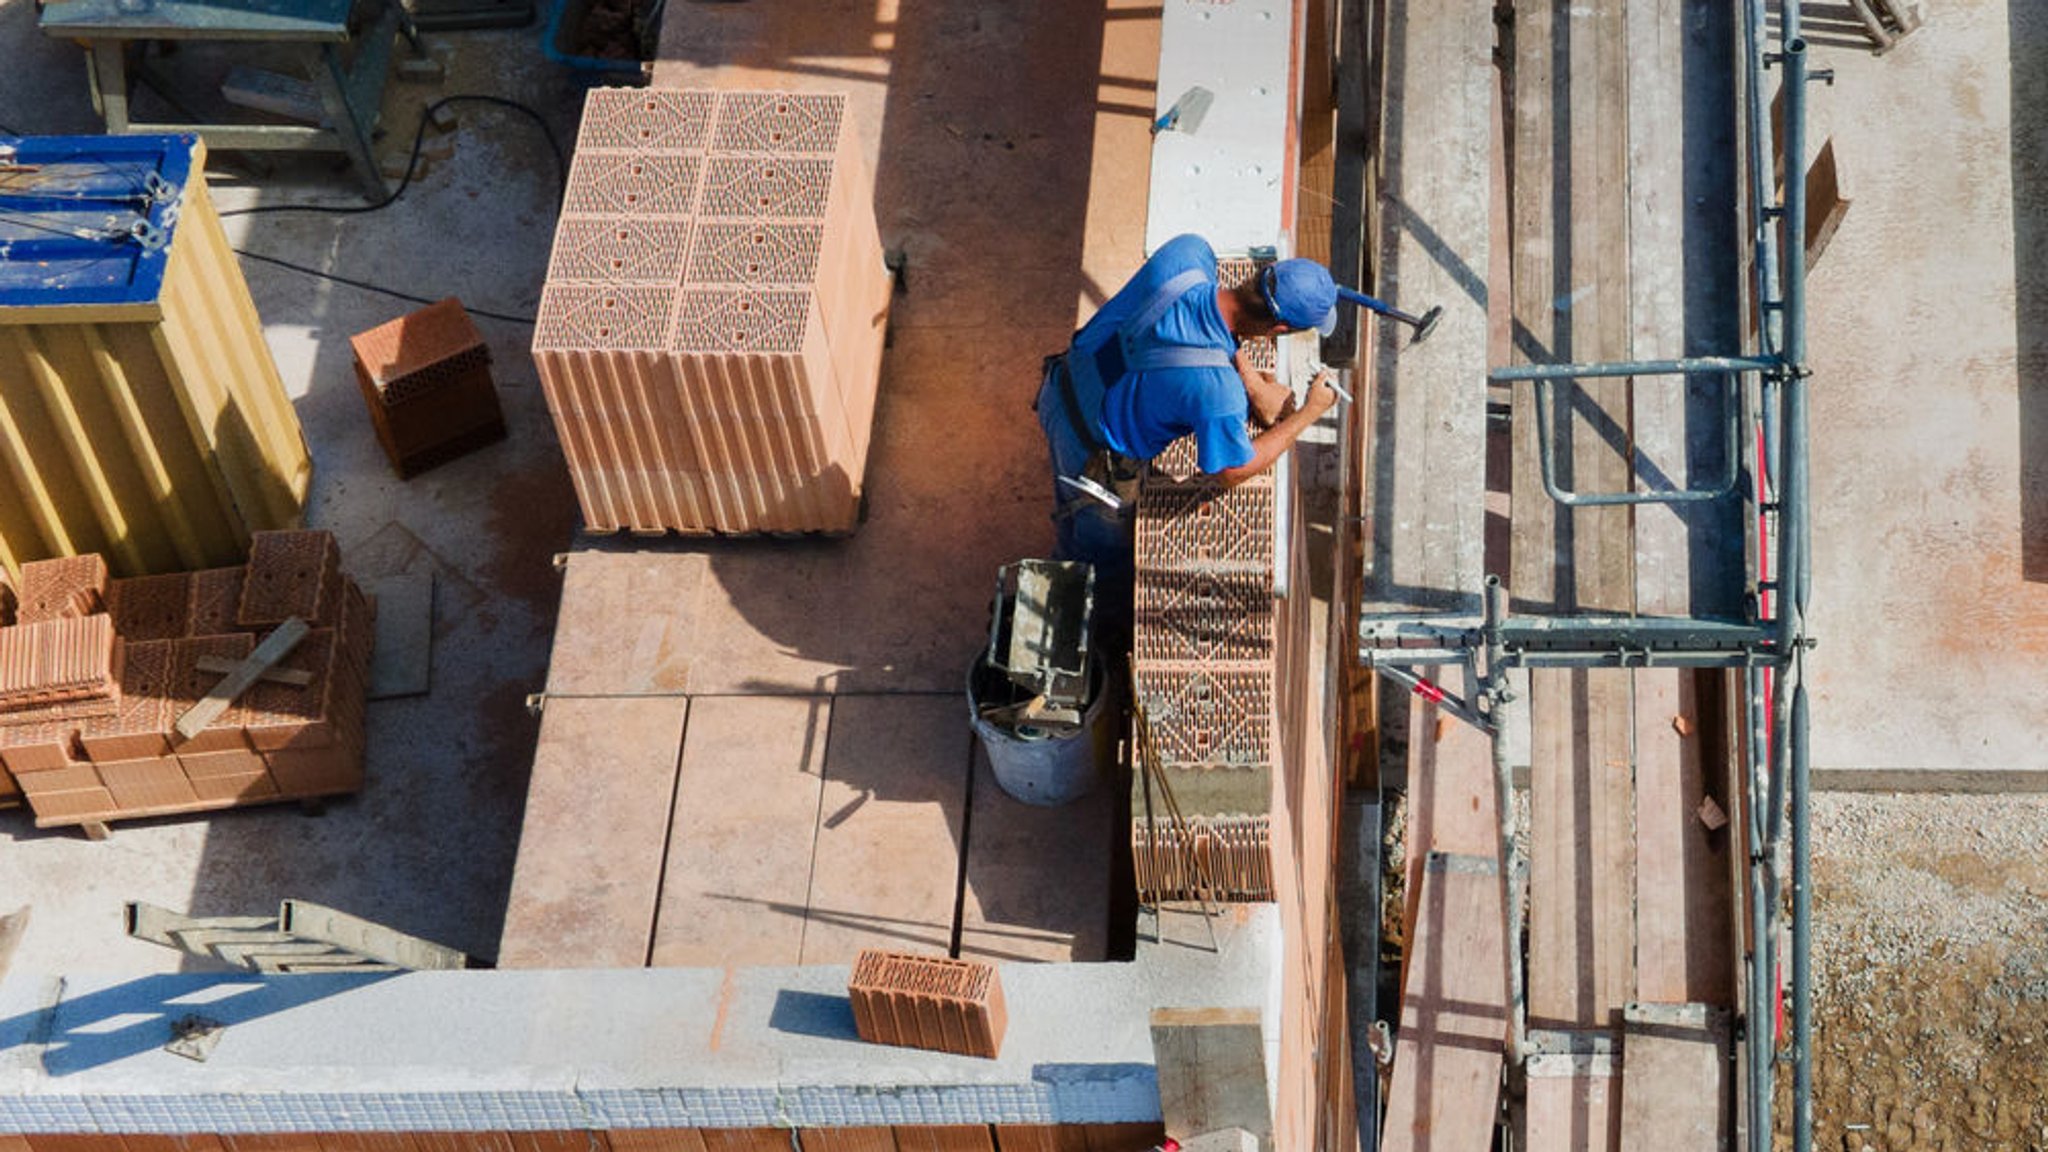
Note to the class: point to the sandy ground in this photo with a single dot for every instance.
(1931, 973)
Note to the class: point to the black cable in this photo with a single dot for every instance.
(369, 287)
(412, 163)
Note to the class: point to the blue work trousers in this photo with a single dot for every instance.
(1086, 529)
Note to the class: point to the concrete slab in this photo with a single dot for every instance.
(887, 864)
(402, 660)
(738, 873)
(628, 624)
(1930, 437)
(1037, 878)
(588, 877)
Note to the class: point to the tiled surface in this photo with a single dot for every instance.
(585, 885)
(738, 873)
(732, 235)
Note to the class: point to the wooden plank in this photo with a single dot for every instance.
(1427, 509)
(1573, 1104)
(1212, 1070)
(1448, 1054)
(944, 1138)
(588, 875)
(1683, 897)
(847, 1140)
(298, 677)
(273, 648)
(1675, 1079)
(1581, 849)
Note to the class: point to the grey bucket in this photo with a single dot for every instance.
(1048, 771)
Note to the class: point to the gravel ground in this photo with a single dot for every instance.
(1931, 954)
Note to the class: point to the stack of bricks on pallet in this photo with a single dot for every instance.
(426, 378)
(931, 1002)
(1202, 652)
(710, 334)
(160, 646)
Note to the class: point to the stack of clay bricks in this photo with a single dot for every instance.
(930, 1002)
(426, 378)
(158, 646)
(710, 334)
(1203, 657)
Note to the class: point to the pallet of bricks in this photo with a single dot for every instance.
(710, 332)
(95, 674)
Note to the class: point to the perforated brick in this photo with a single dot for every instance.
(216, 597)
(619, 250)
(148, 608)
(1203, 716)
(786, 187)
(929, 1002)
(650, 120)
(1199, 523)
(419, 352)
(67, 586)
(754, 253)
(58, 660)
(290, 573)
(137, 729)
(577, 317)
(632, 184)
(740, 320)
(783, 123)
(1207, 615)
(278, 715)
(1218, 858)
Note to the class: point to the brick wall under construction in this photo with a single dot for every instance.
(710, 334)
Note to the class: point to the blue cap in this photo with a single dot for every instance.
(1301, 295)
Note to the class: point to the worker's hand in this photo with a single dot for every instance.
(1322, 394)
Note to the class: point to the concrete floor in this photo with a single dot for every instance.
(428, 845)
(865, 817)
(1928, 322)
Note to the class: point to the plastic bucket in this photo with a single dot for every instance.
(1048, 770)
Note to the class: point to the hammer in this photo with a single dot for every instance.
(1423, 324)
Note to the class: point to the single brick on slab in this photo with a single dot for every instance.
(930, 1002)
(147, 608)
(54, 589)
(291, 573)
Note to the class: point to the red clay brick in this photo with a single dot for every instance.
(56, 660)
(150, 783)
(645, 120)
(290, 573)
(632, 184)
(928, 1002)
(64, 587)
(216, 597)
(148, 608)
(189, 684)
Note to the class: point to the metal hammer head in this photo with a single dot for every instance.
(1427, 324)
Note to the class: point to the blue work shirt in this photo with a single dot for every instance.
(1143, 412)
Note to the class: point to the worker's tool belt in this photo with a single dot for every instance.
(1113, 470)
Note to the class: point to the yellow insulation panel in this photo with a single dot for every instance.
(158, 434)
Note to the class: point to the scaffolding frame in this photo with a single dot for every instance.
(1765, 402)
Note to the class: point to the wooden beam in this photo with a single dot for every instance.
(1448, 1056)
(1212, 1071)
(273, 648)
(1684, 911)
(296, 677)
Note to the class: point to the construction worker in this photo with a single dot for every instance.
(1164, 358)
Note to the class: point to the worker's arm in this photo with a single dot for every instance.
(1268, 445)
(1268, 397)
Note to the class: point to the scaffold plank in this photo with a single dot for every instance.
(1674, 1086)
